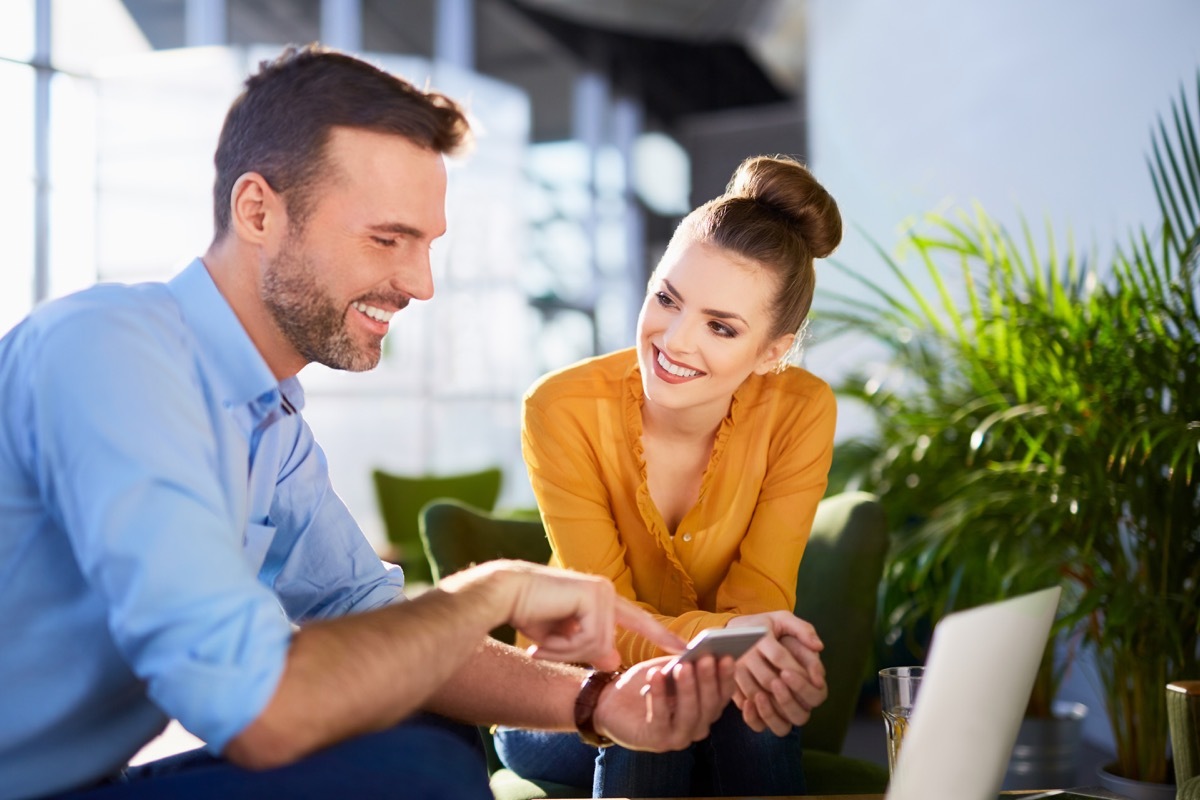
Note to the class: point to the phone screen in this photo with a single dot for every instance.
(719, 642)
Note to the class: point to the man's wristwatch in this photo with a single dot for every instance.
(585, 706)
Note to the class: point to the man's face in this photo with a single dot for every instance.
(363, 253)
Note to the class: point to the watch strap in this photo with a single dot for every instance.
(585, 706)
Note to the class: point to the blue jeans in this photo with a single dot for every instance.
(545, 756)
(733, 760)
(424, 757)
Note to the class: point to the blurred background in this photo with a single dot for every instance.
(600, 123)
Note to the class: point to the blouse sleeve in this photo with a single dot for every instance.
(763, 576)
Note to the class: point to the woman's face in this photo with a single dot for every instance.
(704, 327)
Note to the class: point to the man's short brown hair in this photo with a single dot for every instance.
(279, 124)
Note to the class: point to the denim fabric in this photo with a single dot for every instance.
(423, 758)
(732, 761)
(546, 756)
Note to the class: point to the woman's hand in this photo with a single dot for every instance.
(781, 679)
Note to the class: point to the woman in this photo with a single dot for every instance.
(688, 470)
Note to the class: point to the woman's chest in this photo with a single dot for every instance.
(674, 477)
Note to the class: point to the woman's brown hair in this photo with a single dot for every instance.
(775, 214)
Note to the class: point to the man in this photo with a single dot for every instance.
(166, 516)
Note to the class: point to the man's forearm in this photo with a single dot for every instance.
(368, 671)
(500, 684)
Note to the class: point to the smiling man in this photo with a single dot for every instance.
(170, 544)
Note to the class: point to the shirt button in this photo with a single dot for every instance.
(687, 537)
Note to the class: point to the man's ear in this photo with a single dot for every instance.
(769, 360)
(257, 212)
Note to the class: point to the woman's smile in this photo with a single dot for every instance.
(673, 371)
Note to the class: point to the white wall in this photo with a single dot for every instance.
(1030, 107)
(1041, 109)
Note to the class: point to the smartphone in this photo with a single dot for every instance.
(718, 642)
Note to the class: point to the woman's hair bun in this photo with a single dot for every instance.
(785, 186)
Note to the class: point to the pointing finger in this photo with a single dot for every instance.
(632, 617)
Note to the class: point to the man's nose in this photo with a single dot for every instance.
(416, 278)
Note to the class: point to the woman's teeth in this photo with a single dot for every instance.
(374, 313)
(680, 372)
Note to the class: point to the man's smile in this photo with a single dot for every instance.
(374, 312)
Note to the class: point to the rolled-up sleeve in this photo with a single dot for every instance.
(127, 452)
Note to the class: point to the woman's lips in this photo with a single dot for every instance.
(672, 371)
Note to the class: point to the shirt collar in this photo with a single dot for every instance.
(243, 375)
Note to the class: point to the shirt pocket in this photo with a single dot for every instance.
(255, 542)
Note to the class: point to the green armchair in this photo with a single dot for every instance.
(455, 536)
(402, 496)
(836, 591)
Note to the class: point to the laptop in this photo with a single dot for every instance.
(978, 677)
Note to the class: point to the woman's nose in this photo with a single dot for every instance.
(680, 335)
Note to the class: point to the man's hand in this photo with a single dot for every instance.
(649, 709)
(569, 615)
(781, 680)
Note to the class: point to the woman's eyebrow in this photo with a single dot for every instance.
(712, 312)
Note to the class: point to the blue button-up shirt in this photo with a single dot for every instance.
(165, 515)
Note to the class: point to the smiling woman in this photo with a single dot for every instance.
(687, 470)
(706, 325)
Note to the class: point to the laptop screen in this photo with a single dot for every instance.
(978, 676)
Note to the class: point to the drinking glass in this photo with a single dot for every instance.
(898, 694)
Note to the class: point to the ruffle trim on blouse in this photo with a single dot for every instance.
(634, 400)
(721, 442)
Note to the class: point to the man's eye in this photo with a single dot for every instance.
(384, 242)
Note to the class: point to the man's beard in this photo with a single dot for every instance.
(311, 321)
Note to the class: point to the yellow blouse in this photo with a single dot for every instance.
(737, 551)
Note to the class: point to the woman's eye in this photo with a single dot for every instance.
(722, 329)
(664, 299)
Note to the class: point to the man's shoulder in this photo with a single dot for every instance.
(108, 311)
(597, 378)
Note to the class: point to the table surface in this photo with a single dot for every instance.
(1028, 794)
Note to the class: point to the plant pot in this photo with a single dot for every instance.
(1046, 753)
(1134, 790)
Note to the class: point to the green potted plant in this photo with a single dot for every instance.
(1043, 425)
(951, 514)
